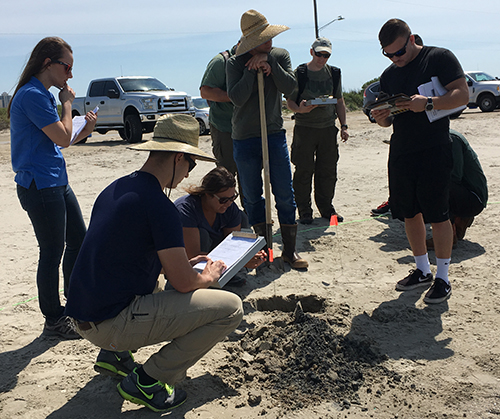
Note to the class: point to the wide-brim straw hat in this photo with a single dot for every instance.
(256, 31)
(177, 133)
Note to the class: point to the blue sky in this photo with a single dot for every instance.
(174, 41)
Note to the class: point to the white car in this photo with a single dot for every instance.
(202, 110)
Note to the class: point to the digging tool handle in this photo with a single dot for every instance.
(265, 159)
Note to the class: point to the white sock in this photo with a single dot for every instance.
(423, 263)
(442, 269)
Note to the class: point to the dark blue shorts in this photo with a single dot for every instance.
(419, 182)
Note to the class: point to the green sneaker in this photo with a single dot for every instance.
(115, 363)
(159, 397)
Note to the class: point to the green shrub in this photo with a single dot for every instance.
(4, 121)
(353, 99)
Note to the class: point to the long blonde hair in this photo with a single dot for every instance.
(51, 47)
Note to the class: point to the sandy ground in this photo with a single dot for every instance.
(360, 350)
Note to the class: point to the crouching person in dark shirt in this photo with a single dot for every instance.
(135, 231)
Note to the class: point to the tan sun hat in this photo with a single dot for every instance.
(256, 31)
(178, 133)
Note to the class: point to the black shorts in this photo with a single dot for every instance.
(419, 182)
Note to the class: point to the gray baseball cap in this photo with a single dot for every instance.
(322, 45)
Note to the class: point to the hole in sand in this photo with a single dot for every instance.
(288, 303)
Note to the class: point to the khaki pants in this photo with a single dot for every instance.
(193, 323)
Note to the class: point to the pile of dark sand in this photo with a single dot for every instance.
(300, 359)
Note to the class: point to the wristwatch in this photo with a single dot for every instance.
(429, 105)
(344, 126)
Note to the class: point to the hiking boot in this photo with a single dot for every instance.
(306, 219)
(159, 397)
(415, 279)
(115, 363)
(439, 292)
(328, 215)
(62, 328)
(382, 209)
(461, 224)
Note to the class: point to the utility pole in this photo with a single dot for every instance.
(316, 19)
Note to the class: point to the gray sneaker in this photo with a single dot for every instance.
(62, 328)
(115, 363)
(159, 397)
(415, 279)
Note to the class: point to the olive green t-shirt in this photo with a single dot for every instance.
(319, 83)
(215, 76)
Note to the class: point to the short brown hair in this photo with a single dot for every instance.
(392, 30)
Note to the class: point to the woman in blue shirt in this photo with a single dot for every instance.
(37, 136)
(209, 214)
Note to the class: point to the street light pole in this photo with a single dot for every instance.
(329, 23)
(316, 19)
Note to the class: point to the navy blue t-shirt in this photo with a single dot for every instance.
(192, 215)
(131, 221)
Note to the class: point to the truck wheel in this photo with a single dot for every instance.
(202, 126)
(487, 103)
(133, 129)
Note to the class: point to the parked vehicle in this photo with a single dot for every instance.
(202, 110)
(484, 91)
(370, 95)
(131, 105)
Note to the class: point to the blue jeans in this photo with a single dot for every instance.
(59, 228)
(248, 157)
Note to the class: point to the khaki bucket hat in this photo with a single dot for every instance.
(256, 31)
(178, 133)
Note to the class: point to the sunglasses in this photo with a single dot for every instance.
(191, 162)
(226, 199)
(67, 67)
(399, 53)
(322, 54)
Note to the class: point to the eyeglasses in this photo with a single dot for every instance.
(67, 67)
(226, 199)
(192, 163)
(322, 55)
(399, 53)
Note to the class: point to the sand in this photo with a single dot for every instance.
(360, 350)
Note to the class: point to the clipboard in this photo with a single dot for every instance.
(388, 103)
(235, 251)
(322, 100)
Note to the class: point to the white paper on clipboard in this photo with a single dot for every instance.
(235, 251)
(79, 123)
(434, 88)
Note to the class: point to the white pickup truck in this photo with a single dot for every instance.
(131, 105)
(484, 91)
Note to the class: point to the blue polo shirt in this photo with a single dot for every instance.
(34, 155)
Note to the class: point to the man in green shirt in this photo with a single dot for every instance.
(315, 151)
(256, 52)
(213, 89)
(468, 188)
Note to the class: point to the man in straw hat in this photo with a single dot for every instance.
(135, 232)
(255, 52)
